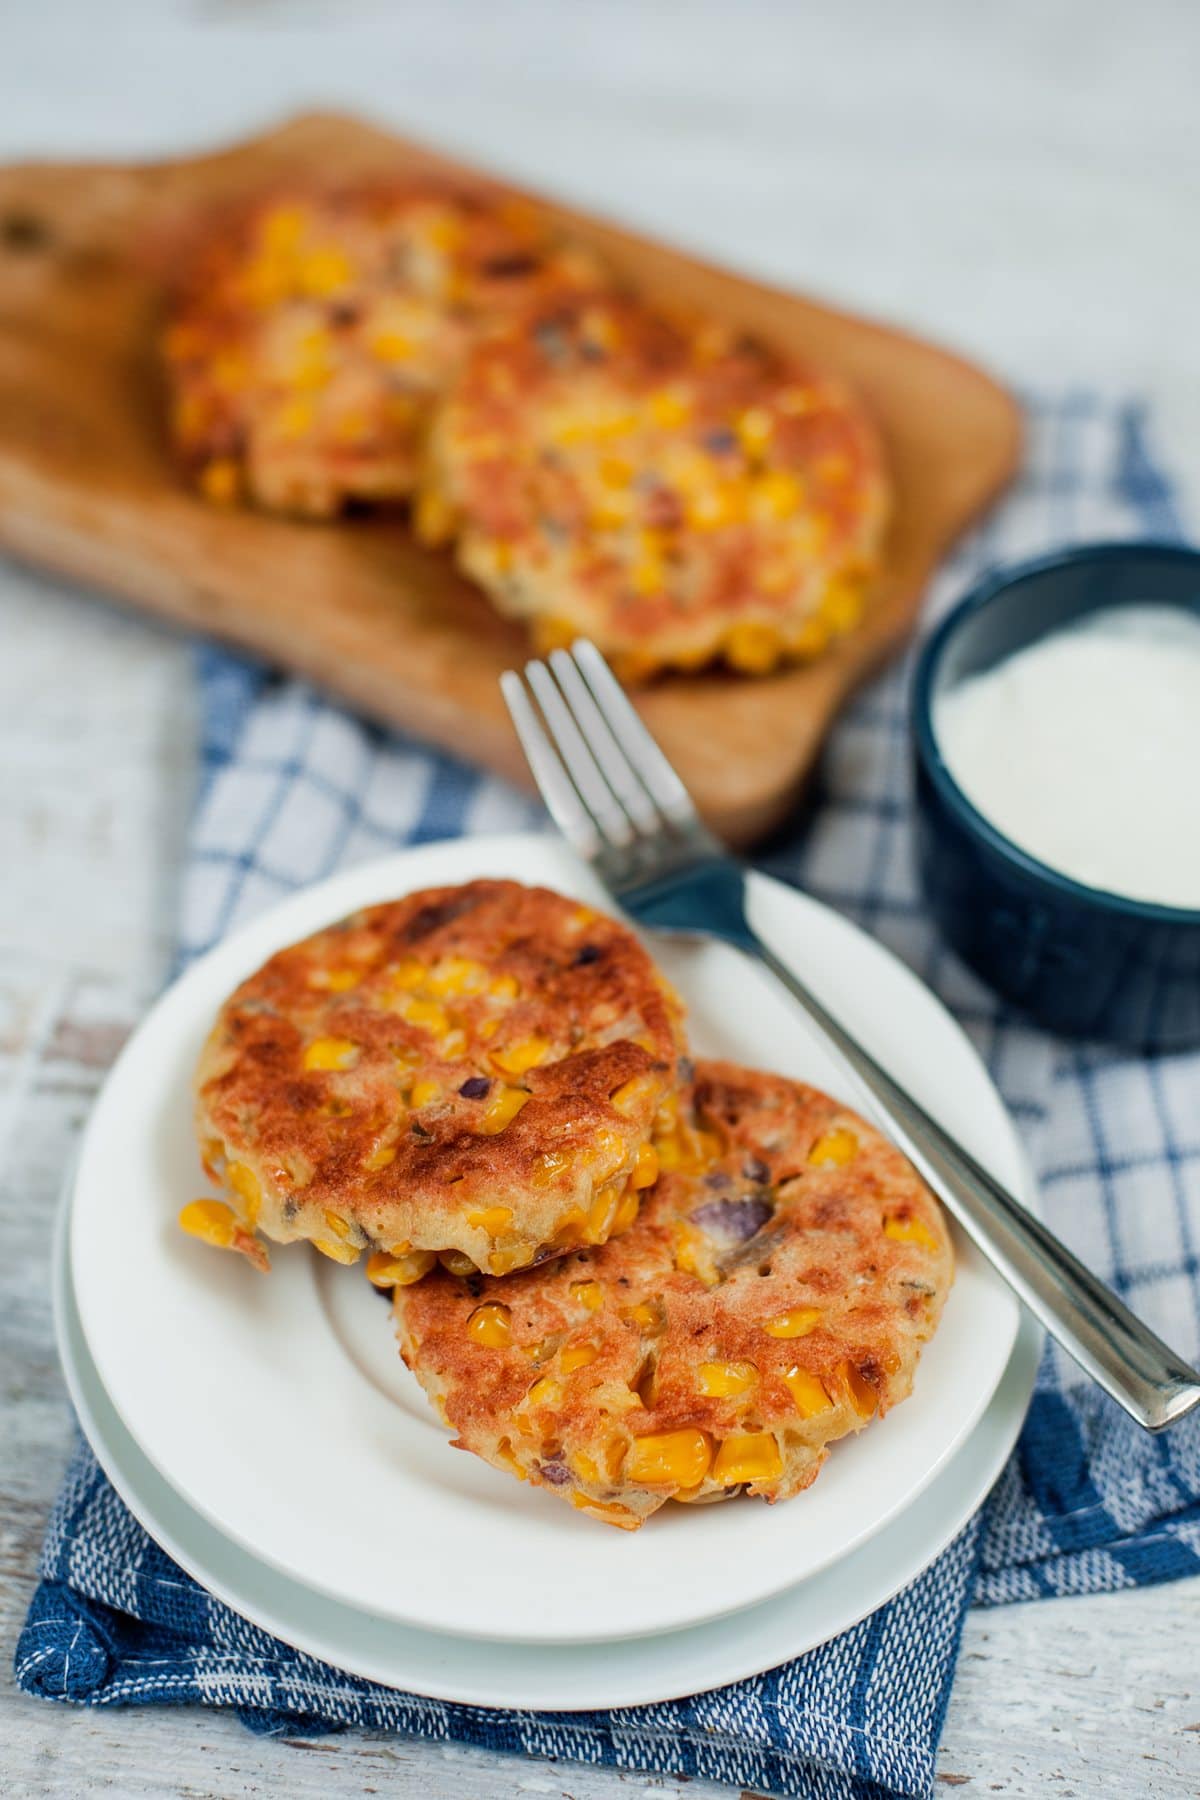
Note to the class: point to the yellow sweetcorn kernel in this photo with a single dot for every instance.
(809, 1396)
(390, 345)
(424, 1092)
(626, 1213)
(452, 1046)
(603, 1211)
(488, 1029)
(501, 1110)
(491, 1219)
(245, 1184)
(588, 1293)
(632, 1095)
(219, 481)
(503, 1262)
(842, 604)
(336, 1250)
(456, 975)
(544, 1392)
(553, 634)
(457, 1261)
(548, 1166)
(863, 1396)
(681, 1458)
(209, 1220)
(507, 1460)
(796, 1323)
(380, 1158)
(712, 508)
(754, 649)
(776, 495)
(747, 1456)
(754, 428)
(340, 1227)
(809, 639)
(910, 1231)
(335, 981)
(295, 418)
(644, 1315)
(428, 1015)
(330, 1053)
(282, 228)
(725, 1380)
(324, 271)
(407, 974)
(490, 1326)
(504, 987)
(648, 576)
(398, 1267)
(610, 1510)
(693, 1254)
(577, 1356)
(585, 1467)
(669, 408)
(520, 1057)
(833, 1149)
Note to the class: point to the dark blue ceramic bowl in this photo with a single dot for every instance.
(1080, 961)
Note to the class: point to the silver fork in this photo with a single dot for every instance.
(622, 807)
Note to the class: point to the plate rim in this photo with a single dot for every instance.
(502, 852)
(556, 1660)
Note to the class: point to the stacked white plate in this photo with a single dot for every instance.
(265, 1432)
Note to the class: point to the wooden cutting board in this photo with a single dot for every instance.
(87, 487)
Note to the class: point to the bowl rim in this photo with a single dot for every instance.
(984, 593)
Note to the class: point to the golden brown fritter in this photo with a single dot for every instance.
(773, 1295)
(310, 335)
(663, 485)
(472, 1071)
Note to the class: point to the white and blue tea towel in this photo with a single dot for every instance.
(295, 788)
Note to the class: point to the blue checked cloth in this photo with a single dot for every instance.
(294, 788)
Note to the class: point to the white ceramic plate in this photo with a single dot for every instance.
(278, 1409)
(559, 1678)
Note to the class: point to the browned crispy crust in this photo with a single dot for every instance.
(356, 1090)
(742, 1228)
(310, 332)
(663, 484)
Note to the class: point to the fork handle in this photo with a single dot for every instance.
(1145, 1376)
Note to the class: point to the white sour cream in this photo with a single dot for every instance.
(1085, 750)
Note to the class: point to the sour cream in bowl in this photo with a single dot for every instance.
(1056, 730)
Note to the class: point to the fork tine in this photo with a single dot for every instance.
(594, 728)
(555, 786)
(606, 810)
(651, 766)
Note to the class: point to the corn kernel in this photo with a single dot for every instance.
(669, 408)
(330, 1053)
(833, 1148)
(380, 1158)
(457, 1261)
(503, 1262)
(433, 518)
(776, 495)
(752, 648)
(245, 1185)
(456, 975)
(648, 576)
(426, 1014)
(491, 1219)
(335, 981)
(505, 1457)
(336, 1250)
(407, 974)
(631, 1096)
(644, 1315)
(281, 229)
(553, 634)
(910, 1231)
(548, 1166)
(626, 1212)
(452, 1046)
(842, 605)
(603, 1211)
(340, 1227)
(609, 1510)
(522, 1056)
(324, 271)
(502, 1110)
(809, 639)
(588, 1293)
(545, 1392)
(296, 418)
(679, 1457)
(504, 987)
(645, 1167)
(424, 1093)
(725, 1380)
(211, 1221)
(490, 1325)
(754, 428)
(809, 1396)
(747, 1456)
(585, 1467)
(863, 1396)
(794, 1324)
(577, 1356)
(713, 508)
(693, 1254)
(398, 1268)
(219, 481)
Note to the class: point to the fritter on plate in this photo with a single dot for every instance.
(472, 1072)
(773, 1295)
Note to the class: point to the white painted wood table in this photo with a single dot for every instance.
(1021, 184)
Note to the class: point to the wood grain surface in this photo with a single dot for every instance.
(87, 487)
